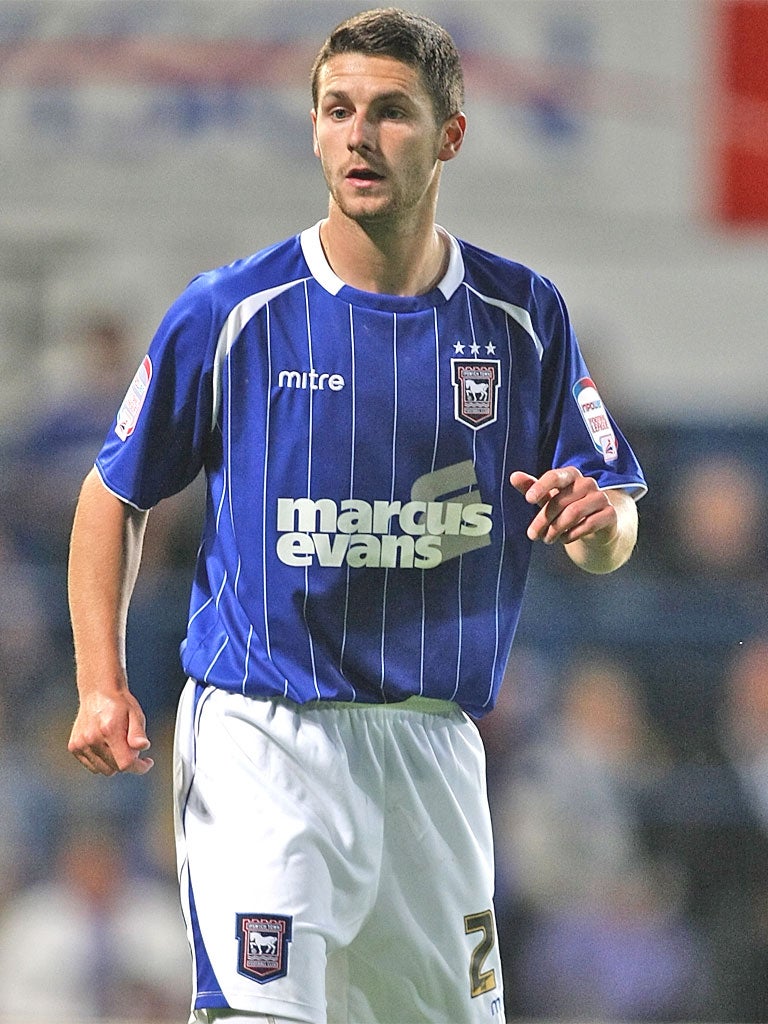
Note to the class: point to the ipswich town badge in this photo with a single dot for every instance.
(475, 390)
(263, 946)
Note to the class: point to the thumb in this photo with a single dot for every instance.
(138, 741)
(137, 732)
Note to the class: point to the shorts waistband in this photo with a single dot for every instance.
(421, 705)
(424, 705)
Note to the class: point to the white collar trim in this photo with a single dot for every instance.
(321, 270)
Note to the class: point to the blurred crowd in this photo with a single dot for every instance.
(627, 758)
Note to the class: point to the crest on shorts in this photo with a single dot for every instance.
(475, 390)
(262, 941)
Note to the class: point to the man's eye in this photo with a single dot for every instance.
(337, 114)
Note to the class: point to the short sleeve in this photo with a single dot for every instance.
(576, 427)
(160, 436)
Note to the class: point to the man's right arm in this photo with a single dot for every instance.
(109, 733)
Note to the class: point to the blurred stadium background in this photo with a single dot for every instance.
(618, 146)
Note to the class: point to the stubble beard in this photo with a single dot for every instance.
(381, 211)
(365, 211)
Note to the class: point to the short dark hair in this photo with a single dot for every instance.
(411, 38)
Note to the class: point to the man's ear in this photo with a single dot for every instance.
(454, 130)
(315, 147)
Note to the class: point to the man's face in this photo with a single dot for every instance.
(376, 137)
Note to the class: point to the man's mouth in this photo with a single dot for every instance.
(363, 174)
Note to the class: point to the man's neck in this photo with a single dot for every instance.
(377, 259)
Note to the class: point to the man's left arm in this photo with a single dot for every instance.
(598, 528)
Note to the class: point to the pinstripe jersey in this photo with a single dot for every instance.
(361, 539)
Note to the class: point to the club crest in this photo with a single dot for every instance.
(263, 946)
(475, 390)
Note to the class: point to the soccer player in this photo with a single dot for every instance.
(387, 418)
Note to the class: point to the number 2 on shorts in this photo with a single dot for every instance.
(481, 981)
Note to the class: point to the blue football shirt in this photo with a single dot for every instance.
(361, 539)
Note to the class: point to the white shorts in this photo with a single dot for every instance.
(336, 860)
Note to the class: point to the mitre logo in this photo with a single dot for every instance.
(310, 380)
(445, 518)
(475, 391)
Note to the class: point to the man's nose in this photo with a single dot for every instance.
(361, 133)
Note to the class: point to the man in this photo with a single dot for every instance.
(380, 410)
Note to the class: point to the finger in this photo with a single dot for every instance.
(87, 750)
(108, 765)
(521, 481)
(562, 512)
(553, 517)
(104, 754)
(139, 766)
(127, 759)
(577, 520)
(602, 521)
(95, 764)
(552, 482)
(543, 526)
(114, 741)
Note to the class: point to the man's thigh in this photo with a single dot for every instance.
(277, 864)
(428, 950)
